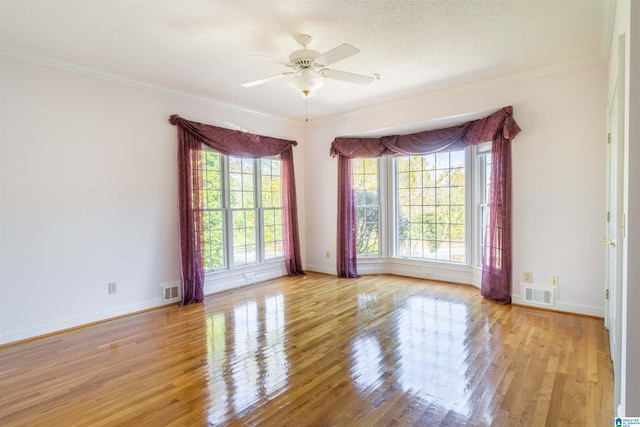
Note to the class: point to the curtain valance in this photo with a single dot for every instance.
(232, 142)
(447, 139)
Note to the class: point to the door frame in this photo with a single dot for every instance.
(615, 220)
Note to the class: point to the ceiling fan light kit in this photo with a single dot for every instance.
(306, 81)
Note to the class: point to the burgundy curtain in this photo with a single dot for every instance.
(500, 128)
(346, 247)
(292, 258)
(190, 225)
(191, 137)
(496, 259)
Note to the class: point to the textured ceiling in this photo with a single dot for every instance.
(204, 48)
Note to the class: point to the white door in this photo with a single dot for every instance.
(614, 231)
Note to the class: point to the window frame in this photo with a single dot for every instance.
(229, 261)
(474, 186)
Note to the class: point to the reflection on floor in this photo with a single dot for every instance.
(317, 350)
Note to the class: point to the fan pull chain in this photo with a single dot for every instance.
(306, 105)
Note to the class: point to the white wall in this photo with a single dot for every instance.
(88, 187)
(88, 194)
(558, 175)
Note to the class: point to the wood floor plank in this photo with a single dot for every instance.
(316, 350)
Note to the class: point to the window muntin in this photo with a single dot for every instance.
(365, 182)
(430, 201)
(242, 220)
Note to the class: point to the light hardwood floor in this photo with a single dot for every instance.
(317, 350)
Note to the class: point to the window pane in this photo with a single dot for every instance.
(273, 239)
(457, 159)
(456, 176)
(442, 177)
(457, 251)
(213, 239)
(430, 206)
(442, 196)
(442, 161)
(429, 196)
(244, 236)
(365, 184)
(456, 195)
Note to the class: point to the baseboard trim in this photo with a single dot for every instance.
(79, 322)
(563, 306)
(322, 269)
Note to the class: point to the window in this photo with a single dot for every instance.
(431, 217)
(430, 199)
(367, 200)
(242, 210)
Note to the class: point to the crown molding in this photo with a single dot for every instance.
(464, 88)
(59, 64)
(426, 96)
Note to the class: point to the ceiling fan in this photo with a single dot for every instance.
(308, 68)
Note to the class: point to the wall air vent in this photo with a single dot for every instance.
(538, 294)
(170, 293)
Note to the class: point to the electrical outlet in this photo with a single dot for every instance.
(327, 254)
(527, 277)
(113, 287)
(554, 279)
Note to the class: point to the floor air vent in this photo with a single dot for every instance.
(170, 293)
(538, 294)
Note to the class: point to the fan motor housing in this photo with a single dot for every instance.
(304, 58)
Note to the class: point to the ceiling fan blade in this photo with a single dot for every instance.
(345, 76)
(266, 79)
(339, 53)
(270, 59)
